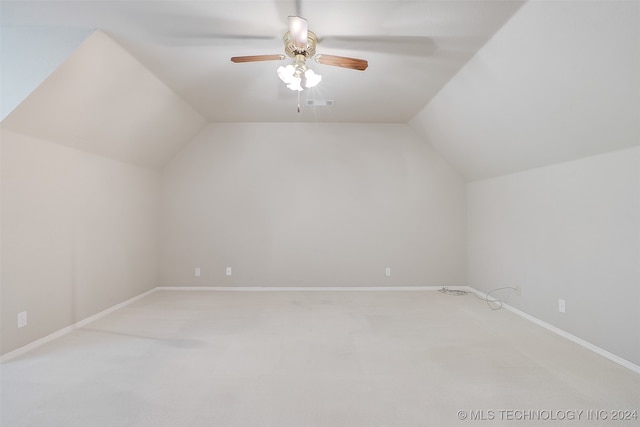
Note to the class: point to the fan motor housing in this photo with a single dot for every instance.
(294, 51)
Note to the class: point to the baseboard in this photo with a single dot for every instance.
(600, 351)
(59, 333)
(302, 288)
(594, 348)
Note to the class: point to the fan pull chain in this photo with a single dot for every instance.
(298, 102)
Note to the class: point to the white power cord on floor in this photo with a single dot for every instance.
(487, 298)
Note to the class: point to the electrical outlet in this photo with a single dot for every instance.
(228, 271)
(387, 271)
(561, 306)
(197, 272)
(22, 319)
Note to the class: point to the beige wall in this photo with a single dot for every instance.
(312, 205)
(315, 205)
(569, 231)
(536, 95)
(79, 235)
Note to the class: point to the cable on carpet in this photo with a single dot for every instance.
(497, 303)
(455, 292)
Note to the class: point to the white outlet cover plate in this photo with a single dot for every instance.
(22, 319)
(561, 306)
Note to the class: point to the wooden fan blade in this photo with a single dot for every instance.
(342, 61)
(256, 58)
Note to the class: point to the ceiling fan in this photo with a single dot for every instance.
(300, 44)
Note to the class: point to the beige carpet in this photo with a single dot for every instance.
(416, 358)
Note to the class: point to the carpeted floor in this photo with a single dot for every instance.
(305, 359)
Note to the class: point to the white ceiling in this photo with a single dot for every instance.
(187, 44)
(102, 101)
(560, 81)
(496, 87)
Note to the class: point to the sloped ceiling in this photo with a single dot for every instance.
(188, 44)
(29, 56)
(560, 81)
(102, 100)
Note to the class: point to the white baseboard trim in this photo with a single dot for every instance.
(79, 324)
(594, 348)
(600, 351)
(303, 288)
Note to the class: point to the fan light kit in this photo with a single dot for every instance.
(300, 44)
(298, 75)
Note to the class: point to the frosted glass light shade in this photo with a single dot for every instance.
(291, 76)
(312, 78)
(286, 74)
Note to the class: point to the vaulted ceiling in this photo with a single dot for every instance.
(560, 81)
(188, 44)
(494, 86)
(102, 100)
